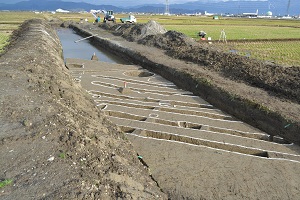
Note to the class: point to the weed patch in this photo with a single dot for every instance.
(5, 183)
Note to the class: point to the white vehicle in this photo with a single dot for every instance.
(108, 15)
(129, 19)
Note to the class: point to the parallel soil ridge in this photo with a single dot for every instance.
(55, 142)
(262, 94)
(172, 130)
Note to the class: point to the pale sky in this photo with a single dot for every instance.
(126, 3)
(123, 3)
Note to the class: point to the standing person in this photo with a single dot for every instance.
(98, 19)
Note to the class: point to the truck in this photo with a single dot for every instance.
(129, 19)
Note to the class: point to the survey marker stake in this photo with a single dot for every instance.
(85, 38)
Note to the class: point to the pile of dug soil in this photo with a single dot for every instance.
(134, 32)
(169, 41)
(55, 142)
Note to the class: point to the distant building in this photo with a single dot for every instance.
(269, 13)
(62, 11)
(251, 15)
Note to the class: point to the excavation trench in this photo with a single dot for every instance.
(169, 110)
(193, 141)
(67, 45)
(184, 124)
(169, 155)
(50, 123)
(133, 88)
(84, 49)
(136, 81)
(196, 81)
(208, 143)
(97, 94)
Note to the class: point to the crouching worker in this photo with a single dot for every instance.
(202, 34)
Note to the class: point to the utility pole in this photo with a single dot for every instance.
(167, 12)
(288, 8)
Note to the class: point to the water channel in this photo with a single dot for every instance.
(83, 49)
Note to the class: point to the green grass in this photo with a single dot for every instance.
(62, 155)
(5, 183)
(17, 17)
(10, 21)
(200, 20)
(234, 32)
(235, 28)
(280, 52)
(4, 37)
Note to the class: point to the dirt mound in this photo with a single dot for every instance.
(151, 28)
(280, 81)
(169, 41)
(55, 142)
(134, 32)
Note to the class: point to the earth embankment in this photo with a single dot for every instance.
(55, 143)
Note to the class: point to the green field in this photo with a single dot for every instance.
(10, 21)
(281, 52)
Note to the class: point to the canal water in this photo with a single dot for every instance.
(83, 49)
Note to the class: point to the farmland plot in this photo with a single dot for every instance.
(279, 52)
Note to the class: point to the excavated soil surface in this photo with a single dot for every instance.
(57, 144)
(260, 93)
(172, 130)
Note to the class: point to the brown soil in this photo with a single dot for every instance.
(57, 144)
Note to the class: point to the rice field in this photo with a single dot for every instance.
(10, 21)
(3, 40)
(286, 53)
(238, 32)
(244, 29)
(282, 37)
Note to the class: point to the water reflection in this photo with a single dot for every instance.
(83, 49)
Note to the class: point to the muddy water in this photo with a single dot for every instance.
(83, 49)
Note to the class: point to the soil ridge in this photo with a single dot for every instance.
(55, 142)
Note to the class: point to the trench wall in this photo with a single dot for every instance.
(283, 81)
(244, 109)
